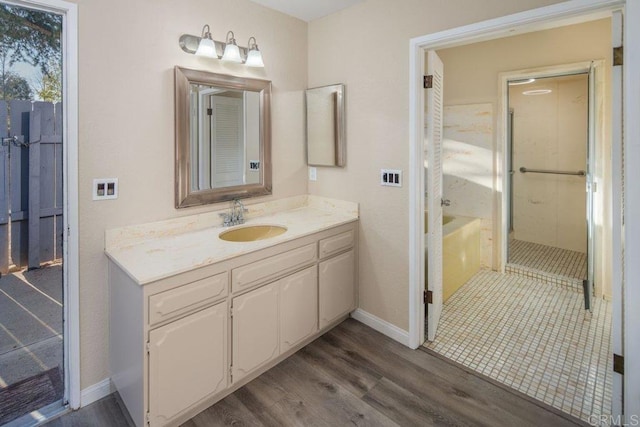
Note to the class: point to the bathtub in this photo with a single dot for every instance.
(460, 251)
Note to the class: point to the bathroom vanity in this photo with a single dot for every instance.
(194, 317)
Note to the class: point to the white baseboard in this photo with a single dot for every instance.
(96, 392)
(382, 326)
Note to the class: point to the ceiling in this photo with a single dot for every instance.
(307, 10)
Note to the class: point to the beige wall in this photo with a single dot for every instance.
(127, 53)
(367, 48)
(471, 72)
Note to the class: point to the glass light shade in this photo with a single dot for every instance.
(207, 48)
(232, 53)
(254, 59)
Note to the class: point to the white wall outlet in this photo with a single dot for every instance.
(105, 188)
(391, 177)
(313, 173)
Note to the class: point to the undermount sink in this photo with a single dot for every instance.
(252, 233)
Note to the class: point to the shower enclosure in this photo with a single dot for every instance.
(550, 221)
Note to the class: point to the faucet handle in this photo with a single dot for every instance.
(227, 219)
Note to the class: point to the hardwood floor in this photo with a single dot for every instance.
(354, 375)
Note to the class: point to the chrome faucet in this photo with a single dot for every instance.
(235, 215)
(238, 211)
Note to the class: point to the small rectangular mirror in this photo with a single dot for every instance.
(326, 126)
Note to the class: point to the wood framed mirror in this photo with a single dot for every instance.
(222, 137)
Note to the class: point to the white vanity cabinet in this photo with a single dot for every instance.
(298, 307)
(273, 319)
(337, 274)
(255, 330)
(337, 296)
(181, 343)
(187, 362)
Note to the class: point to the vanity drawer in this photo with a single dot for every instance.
(273, 267)
(174, 302)
(335, 244)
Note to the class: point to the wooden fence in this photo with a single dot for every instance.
(31, 186)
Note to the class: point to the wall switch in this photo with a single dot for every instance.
(313, 173)
(105, 188)
(391, 177)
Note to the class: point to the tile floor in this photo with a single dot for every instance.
(561, 262)
(533, 336)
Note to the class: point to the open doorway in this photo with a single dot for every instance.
(525, 297)
(526, 328)
(32, 218)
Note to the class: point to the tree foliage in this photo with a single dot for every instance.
(50, 85)
(31, 36)
(14, 87)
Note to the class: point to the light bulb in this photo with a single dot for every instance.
(207, 48)
(254, 59)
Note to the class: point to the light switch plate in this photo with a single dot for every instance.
(313, 173)
(391, 177)
(105, 188)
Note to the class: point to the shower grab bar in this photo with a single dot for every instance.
(555, 172)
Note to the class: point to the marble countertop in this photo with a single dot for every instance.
(150, 252)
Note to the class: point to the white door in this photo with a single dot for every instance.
(434, 190)
(227, 141)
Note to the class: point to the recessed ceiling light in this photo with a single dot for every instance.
(521, 82)
(537, 92)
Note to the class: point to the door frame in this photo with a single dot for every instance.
(560, 14)
(71, 288)
(501, 233)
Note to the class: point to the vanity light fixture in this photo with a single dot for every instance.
(231, 52)
(206, 47)
(537, 92)
(254, 56)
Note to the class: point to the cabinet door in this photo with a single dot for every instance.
(187, 362)
(255, 329)
(336, 287)
(298, 307)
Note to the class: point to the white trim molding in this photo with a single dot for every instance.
(631, 270)
(71, 276)
(382, 326)
(95, 392)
